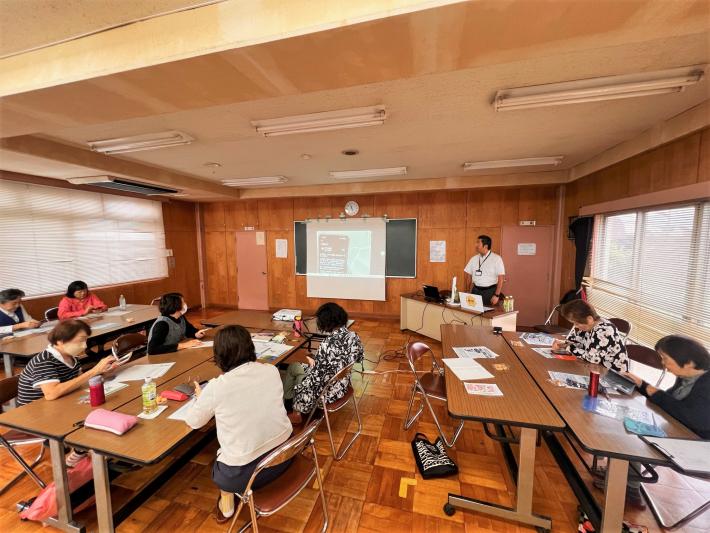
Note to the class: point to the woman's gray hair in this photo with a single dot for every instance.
(9, 295)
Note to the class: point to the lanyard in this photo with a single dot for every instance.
(484, 260)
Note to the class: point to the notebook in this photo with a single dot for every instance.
(691, 456)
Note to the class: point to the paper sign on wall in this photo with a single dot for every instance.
(437, 251)
(527, 248)
(282, 248)
(260, 238)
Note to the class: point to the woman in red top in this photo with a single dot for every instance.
(79, 302)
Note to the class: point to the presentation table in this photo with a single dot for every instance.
(522, 405)
(425, 317)
(58, 421)
(596, 434)
(104, 327)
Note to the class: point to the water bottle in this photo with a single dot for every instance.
(97, 395)
(149, 391)
(122, 303)
(511, 304)
(297, 326)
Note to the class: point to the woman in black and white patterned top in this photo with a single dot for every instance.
(304, 383)
(593, 338)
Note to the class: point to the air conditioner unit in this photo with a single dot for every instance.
(120, 184)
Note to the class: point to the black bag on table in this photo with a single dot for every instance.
(432, 459)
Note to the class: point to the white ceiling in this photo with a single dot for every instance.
(438, 118)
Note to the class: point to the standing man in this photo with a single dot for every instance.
(13, 315)
(486, 270)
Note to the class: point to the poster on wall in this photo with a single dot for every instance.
(281, 248)
(527, 248)
(437, 251)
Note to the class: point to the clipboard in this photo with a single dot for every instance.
(690, 456)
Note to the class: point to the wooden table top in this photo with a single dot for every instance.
(29, 345)
(57, 418)
(249, 319)
(597, 434)
(522, 403)
(497, 310)
(151, 440)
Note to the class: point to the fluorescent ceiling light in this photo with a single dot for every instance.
(136, 143)
(262, 180)
(368, 173)
(599, 89)
(507, 163)
(329, 120)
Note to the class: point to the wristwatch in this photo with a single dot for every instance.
(497, 295)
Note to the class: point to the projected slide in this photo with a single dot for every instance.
(344, 253)
(346, 259)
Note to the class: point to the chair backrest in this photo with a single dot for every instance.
(644, 355)
(155, 301)
(130, 342)
(52, 313)
(289, 449)
(415, 351)
(8, 388)
(624, 326)
(340, 374)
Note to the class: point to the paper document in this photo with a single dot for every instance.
(116, 312)
(140, 372)
(475, 352)
(690, 455)
(571, 381)
(545, 352)
(25, 332)
(538, 339)
(105, 325)
(262, 337)
(154, 414)
(483, 389)
(181, 414)
(270, 349)
(203, 344)
(467, 369)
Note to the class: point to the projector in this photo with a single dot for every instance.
(287, 315)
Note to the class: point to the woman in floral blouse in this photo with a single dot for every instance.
(304, 382)
(593, 338)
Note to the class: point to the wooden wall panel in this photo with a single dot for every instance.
(230, 257)
(442, 209)
(213, 218)
(440, 216)
(239, 215)
(704, 157)
(276, 214)
(680, 163)
(538, 204)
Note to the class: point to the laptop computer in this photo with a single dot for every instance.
(432, 294)
(614, 380)
(473, 302)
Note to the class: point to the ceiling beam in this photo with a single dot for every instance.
(521, 179)
(104, 164)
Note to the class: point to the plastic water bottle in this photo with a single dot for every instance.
(122, 303)
(149, 391)
(297, 326)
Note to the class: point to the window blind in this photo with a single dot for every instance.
(650, 267)
(50, 237)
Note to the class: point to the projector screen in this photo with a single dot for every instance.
(346, 259)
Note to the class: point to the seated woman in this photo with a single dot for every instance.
(56, 372)
(593, 338)
(304, 382)
(78, 301)
(171, 331)
(13, 315)
(246, 402)
(688, 400)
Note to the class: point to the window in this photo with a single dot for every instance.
(651, 268)
(50, 237)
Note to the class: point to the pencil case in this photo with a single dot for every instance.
(111, 421)
(174, 395)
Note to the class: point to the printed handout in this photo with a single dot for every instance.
(483, 389)
(537, 339)
(467, 369)
(475, 352)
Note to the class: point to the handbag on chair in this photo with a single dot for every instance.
(432, 460)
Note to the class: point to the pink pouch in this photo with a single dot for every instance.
(112, 421)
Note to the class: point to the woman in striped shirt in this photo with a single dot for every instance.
(56, 371)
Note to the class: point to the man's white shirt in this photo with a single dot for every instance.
(490, 265)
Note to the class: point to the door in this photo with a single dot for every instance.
(252, 288)
(527, 255)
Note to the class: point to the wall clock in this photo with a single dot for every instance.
(352, 208)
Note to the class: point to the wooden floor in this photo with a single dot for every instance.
(376, 486)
